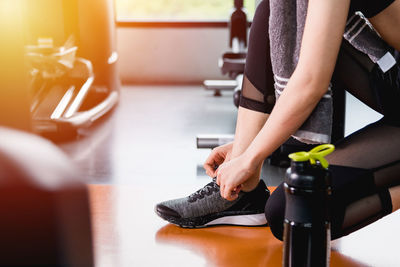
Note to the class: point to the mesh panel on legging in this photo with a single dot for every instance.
(374, 152)
(375, 148)
(364, 165)
(258, 85)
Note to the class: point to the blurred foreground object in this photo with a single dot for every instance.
(44, 206)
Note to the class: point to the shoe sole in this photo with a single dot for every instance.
(242, 220)
(246, 220)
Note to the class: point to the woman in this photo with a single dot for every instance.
(365, 165)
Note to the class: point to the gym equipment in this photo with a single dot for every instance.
(74, 84)
(44, 205)
(233, 62)
(211, 141)
(307, 223)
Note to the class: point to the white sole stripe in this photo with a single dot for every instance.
(249, 220)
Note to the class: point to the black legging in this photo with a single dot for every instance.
(365, 164)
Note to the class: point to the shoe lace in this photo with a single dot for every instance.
(207, 190)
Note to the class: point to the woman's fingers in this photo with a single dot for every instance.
(218, 180)
(235, 192)
(209, 170)
(237, 189)
(209, 166)
(233, 196)
(214, 159)
(218, 156)
(228, 193)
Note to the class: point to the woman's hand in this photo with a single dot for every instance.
(233, 174)
(218, 156)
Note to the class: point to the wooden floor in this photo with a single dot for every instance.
(128, 233)
(145, 153)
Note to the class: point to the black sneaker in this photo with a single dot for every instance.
(206, 208)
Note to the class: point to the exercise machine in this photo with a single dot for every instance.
(232, 62)
(74, 78)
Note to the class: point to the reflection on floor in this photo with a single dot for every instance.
(145, 153)
(128, 233)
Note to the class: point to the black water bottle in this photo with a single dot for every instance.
(307, 221)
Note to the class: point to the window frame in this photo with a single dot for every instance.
(172, 24)
(154, 23)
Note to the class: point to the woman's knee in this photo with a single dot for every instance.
(275, 211)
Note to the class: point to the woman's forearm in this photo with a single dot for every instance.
(309, 82)
(294, 106)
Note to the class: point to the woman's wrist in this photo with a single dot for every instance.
(253, 158)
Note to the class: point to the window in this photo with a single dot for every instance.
(178, 10)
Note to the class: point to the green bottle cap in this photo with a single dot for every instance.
(316, 154)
